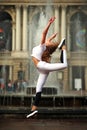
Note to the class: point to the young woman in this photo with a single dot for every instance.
(41, 56)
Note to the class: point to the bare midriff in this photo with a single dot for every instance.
(35, 60)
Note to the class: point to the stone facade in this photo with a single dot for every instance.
(22, 13)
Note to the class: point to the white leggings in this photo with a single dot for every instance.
(44, 69)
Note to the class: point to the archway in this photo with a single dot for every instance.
(5, 31)
(78, 32)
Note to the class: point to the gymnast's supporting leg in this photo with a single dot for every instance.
(37, 99)
(40, 83)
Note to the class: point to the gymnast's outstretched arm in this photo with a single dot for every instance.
(45, 31)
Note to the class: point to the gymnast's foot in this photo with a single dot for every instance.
(32, 113)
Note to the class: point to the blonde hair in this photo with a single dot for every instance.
(49, 51)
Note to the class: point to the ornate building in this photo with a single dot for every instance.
(20, 31)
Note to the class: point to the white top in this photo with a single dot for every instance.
(38, 51)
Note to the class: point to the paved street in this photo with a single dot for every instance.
(42, 124)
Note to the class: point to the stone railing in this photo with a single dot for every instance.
(5, 53)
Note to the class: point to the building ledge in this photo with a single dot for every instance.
(20, 54)
(39, 2)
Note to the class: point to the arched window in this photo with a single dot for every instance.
(78, 32)
(5, 31)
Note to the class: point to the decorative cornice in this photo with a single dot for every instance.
(43, 2)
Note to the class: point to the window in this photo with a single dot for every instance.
(21, 75)
(78, 79)
(78, 32)
(5, 31)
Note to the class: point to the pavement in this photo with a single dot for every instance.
(42, 124)
(46, 119)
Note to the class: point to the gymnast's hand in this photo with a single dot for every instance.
(51, 20)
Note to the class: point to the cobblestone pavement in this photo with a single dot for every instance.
(42, 124)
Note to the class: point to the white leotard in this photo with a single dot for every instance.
(44, 68)
(38, 51)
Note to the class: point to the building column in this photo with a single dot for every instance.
(85, 78)
(56, 28)
(18, 28)
(25, 27)
(30, 25)
(10, 72)
(63, 22)
(13, 37)
(70, 78)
